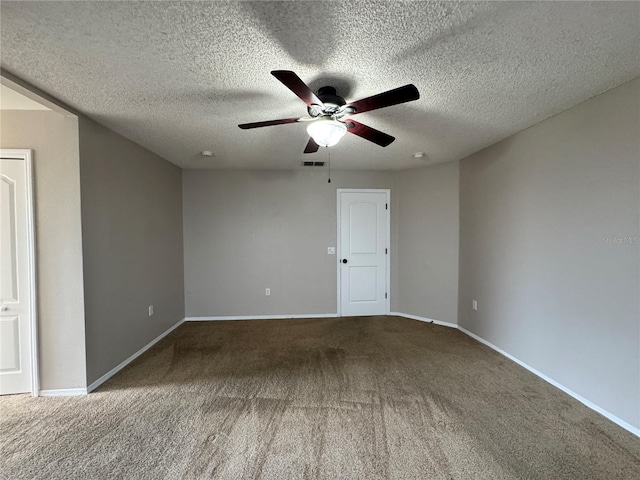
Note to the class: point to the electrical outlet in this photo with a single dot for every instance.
(267, 291)
(474, 304)
(150, 310)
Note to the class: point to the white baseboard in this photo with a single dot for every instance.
(63, 392)
(580, 398)
(119, 367)
(424, 319)
(260, 317)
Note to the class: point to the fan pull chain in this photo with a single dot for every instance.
(329, 164)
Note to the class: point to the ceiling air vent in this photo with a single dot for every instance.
(313, 164)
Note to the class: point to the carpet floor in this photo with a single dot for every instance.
(341, 398)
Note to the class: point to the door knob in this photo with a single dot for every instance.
(344, 260)
(3, 308)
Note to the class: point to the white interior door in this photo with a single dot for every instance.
(16, 274)
(363, 248)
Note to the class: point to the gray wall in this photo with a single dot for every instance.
(54, 140)
(132, 241)
(248, 230)
(535, 211)
(427, 260)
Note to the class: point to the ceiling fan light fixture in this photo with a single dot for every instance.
(326, 132)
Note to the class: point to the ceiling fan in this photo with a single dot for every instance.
(329, 114)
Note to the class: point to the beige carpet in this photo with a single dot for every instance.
(348, 398)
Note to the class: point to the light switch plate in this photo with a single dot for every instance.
(331, 250)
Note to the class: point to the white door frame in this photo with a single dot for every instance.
(27, 156)
(388, 239)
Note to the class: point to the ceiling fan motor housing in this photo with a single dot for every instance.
(330, 98)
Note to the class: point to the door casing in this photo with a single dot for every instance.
(388, 240)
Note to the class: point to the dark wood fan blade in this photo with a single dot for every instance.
(368, 133)
(398, 95)
(268, 123)
(297, 86)
(312, 146)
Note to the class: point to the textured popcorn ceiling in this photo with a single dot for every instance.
(179, 77)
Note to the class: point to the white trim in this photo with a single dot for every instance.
(35, 97)
(64, 392)
(259, 317)
(387, 307)
(26, 155)
(31, 234)
(338, 252)
(120, 366)
(387, 191)
(580, 398)
(424, 319)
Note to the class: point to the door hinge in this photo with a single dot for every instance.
(385, 294)
(386, 206)
(386, 252)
